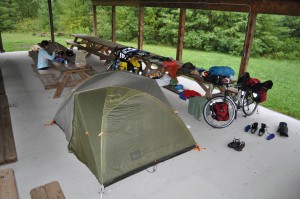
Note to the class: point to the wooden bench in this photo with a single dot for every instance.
(8, 151)
(8, 189)
(2, 88)
(51, 190)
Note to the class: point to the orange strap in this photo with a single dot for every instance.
(198, 148)
(51, 123)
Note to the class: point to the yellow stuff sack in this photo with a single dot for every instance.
(135, 63)
(123, 66)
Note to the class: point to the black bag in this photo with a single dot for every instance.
(259, 91)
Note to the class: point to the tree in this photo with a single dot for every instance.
(9, 15)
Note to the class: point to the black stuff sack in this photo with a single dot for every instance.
(259, 91)
(220, 111)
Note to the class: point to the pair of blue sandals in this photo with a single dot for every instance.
(254, 127)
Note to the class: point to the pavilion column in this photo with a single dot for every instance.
(181, 31)
(248, 42)
(141, 27)
(51, 20)
(95, 21)
(113, 23)
(1, 45)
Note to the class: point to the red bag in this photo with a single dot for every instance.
(259, 93)
(220, 111)
(252, 81)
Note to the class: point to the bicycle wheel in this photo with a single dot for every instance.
(248, 104)
(210, 117)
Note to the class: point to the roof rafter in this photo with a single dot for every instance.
(279, 7)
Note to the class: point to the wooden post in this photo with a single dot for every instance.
(248, 42)
(51, 20)
(1, 45)
(141, 28)
(95, 20)
(113, 23)
(181, 30)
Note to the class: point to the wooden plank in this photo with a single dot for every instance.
(7, 143)
(51, 190)
(54, 191)
(8, 189)
(2, 88)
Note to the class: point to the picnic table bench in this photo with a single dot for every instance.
(8, 151)
(72, 75)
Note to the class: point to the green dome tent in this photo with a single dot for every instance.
(119, 123)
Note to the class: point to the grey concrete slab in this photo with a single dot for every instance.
(264, 169)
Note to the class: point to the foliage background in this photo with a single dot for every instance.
(275, 36)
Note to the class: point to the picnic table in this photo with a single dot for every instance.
(93, 45)
(71, 74)
(105, 50)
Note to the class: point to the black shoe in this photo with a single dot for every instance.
(254, 127)
(262, 130)
(240, 146)
(234, 143)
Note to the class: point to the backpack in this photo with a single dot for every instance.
(220, 111)
(252, 82)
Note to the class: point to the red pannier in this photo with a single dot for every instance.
(251, 82)
(220, 111)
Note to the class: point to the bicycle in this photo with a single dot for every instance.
(242, 100)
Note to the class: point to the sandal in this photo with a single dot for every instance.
(283, 129)
(240, 146)
(262, 130)
(234, 143)
(247, 128)
(271, 136)
(254, 127)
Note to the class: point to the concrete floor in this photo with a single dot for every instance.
(263, 170)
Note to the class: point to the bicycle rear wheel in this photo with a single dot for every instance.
(209, 115)
(248, 104)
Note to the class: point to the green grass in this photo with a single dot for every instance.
(283, 97)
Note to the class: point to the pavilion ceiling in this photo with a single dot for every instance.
(279, 7)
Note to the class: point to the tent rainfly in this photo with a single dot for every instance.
(119, 123)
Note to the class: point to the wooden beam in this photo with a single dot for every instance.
(181, 30)
(141, 28)
(51, 20)
(1, 45)
(95, 21)
(279, 7)
(115, 3)
(248, 42)
(113, 23)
